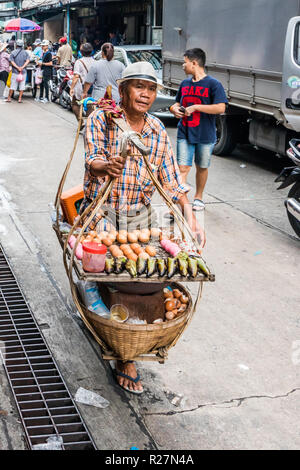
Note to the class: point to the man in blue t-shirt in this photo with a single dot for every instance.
(198, 100)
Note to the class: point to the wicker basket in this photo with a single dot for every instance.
(129, 341)
(149, 342)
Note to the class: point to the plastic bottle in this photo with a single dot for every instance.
(92, 299)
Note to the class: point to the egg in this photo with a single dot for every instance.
(98, 240)
(144, 237)
(177, 293)
(106, 241)
(155, 232)
(146, 231)
(103, 234)
(169, 315)
(182, 308)
(168, 294)
(93, 233)
(183, 299)
(112, 236)
(158, 320)
(88, 239)
(139, 250)
(170, 304)
(132, 237)
(150, 250)
(122, 238)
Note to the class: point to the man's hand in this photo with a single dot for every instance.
(175, 110)
(115, 167)
(112, 168)
(198, 231)
(189, 110)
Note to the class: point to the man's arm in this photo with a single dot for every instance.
(97, 159)
(175, 110)
(15, 65)
(25, 65)
(86, 88)
(187, 211)
(218, 108)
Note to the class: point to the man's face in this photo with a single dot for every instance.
(188, 66)
(45, 48)
(141, 96)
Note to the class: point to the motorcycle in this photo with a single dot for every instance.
(288, 176)
(65, 99)
(58, 74)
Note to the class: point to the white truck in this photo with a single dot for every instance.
(253, 48)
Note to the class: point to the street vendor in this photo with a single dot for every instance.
(130, 198)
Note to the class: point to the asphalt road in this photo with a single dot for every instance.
(232, 381)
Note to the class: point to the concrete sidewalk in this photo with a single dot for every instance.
(232, 381)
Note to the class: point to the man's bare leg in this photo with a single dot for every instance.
(10, 95)
(128, 368)
(201, 179)
(184, 171)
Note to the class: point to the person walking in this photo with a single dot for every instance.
(130, 202)
(104, 72)
(46, 66)
(19, 60)
(81, 69)
(38, 51)
(64, 54)
(198, 100)
(4, 63)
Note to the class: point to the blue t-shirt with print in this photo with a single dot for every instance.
(199, 128)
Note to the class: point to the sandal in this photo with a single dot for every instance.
(198, 205)
(121, 374)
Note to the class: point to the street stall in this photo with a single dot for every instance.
(147, 314)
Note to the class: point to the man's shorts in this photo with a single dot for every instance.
(186, 153)
(15, 85)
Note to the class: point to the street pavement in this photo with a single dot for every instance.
(233, 379)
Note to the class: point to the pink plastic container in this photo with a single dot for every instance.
(93, 259)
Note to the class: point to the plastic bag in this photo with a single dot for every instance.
(90, 398)
(90, 295)
(20, 77)
(8, 83)
(38, 76)
(53, 443)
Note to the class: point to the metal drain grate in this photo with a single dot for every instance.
(44, 402)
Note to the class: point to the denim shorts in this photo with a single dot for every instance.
(186, 153)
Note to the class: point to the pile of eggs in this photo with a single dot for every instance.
(175, 303)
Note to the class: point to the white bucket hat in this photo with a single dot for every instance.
(3, 46)
(45, 42)
(140, 71)
(19, 43)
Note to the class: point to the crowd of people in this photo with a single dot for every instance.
(90, 78)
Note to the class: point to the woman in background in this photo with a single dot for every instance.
(104, 72)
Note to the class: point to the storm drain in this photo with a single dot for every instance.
(43, 400)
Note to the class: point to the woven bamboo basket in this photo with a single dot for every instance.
(123, 341)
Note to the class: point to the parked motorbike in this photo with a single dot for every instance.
(288, 176)
(58, 74)
(65, 99)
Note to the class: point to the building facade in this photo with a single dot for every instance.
(134, 21)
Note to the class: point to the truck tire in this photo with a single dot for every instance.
(295, 193)
(226, 136)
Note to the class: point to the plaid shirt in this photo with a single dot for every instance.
(134, 188)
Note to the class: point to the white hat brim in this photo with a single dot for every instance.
(125, 79)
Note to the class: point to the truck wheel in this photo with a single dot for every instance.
(226, 136)
(295, 193)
